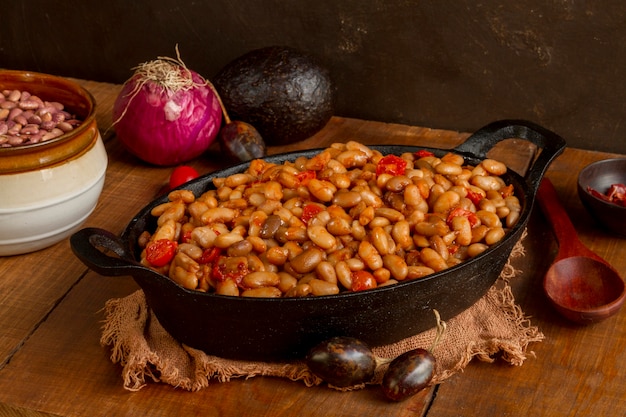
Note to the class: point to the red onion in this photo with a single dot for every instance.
(166, 114)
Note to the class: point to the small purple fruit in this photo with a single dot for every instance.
(408, 374)
(342, 361)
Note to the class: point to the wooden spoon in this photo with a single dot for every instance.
(582, 286)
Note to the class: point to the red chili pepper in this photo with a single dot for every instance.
(160, 252)
(305, 176)
(309, 211)
(458, 211)
(422, 153)
(392, 165)
(362, 280)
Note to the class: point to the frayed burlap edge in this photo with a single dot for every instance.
(494, 326)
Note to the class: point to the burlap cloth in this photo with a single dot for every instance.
(494, 327)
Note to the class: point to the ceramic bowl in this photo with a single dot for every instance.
(48, 189)
(600, 176)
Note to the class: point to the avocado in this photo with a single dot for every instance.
(284, 93)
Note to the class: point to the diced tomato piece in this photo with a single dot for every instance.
(363, 280)
(474, 196)
(222, 272)
(186, 237)
(305, 176)
(160, 252)
(392, 165)
(458, 211)
(507, 191)
(309, 211)
(209, 255)
(423, 153)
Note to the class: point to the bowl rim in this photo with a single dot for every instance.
(11, 156)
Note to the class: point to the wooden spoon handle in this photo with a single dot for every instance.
(569, 243)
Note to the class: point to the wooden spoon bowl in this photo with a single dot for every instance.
(581, 285)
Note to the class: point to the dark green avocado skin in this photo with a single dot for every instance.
(285, 94)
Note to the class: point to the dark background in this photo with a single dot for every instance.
(446, 64)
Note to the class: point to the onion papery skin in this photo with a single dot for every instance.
(165, 127)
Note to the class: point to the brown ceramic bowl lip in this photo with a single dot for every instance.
(75, 98)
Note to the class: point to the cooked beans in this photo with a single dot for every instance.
(316, 226)
(27, 119)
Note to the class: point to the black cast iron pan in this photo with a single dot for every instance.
(285, 328)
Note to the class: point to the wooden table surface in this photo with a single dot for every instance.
(51, 362)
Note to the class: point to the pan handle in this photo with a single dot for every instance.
(88, 245)
(484, 139)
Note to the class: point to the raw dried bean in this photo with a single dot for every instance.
(14, 95)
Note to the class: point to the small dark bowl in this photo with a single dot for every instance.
(600, 176)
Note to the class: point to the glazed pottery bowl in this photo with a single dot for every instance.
(49, 188)
(599, 176)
